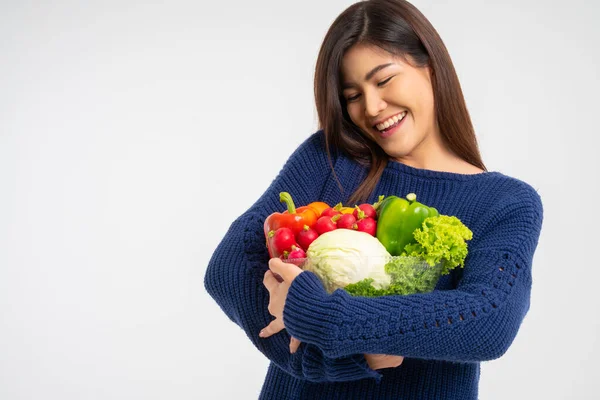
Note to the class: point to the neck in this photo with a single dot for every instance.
(433, 155)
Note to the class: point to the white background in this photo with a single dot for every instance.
(132, 135)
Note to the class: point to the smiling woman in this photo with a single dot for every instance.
(393, 121)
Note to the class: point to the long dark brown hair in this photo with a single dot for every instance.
(397, 27)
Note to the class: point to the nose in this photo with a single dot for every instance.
(374, 105)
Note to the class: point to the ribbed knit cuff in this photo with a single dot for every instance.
(361, 361)
(309, 313)
(351, 368)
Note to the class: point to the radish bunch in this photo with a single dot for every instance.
(363, 219)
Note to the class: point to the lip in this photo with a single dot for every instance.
(385, 119)
(394, 129)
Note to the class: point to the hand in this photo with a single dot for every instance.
(278, 290)
(380, 361)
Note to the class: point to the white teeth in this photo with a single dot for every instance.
(391, 121)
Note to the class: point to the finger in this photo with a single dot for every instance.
(270, 281)
(276, 265)
(286, 270)
(278, 277)
(275, 326)
(294, 344)
(371, 361)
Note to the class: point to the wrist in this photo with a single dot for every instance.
(307, 314)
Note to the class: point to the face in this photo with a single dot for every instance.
(375, 93)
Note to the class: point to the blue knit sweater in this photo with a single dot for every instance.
(472, 316)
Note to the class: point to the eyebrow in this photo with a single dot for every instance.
(369, 75)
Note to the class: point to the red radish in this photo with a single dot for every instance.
(325, 224)
(283, 239)
(296, 256)
(306, 236)
(364, 211)
(346, 221)
(296, 261)
(330, 212)
(368, 225)
(297, 253)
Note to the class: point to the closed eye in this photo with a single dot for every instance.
(384, 82)
(380, 84)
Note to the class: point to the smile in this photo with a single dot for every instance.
(390, 122)
(390, 126)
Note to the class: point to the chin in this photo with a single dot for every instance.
(397, 155)
(397, 150)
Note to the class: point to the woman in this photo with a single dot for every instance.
(393, 121)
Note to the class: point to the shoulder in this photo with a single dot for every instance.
(515, 191)
(511, 201)
(314, 144)
(511, 221)
(312, 153)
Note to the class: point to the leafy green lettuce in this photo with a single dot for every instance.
(441, 238)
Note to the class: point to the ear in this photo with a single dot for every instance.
(429, 73)
(430, 70)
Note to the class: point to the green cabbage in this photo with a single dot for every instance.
(344, 256)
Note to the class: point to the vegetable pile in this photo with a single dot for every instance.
(395, 246)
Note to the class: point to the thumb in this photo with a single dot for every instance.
(287, 271)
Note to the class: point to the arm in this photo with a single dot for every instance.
(477, 321)
(235, 272)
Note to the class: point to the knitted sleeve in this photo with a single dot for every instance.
(235, 272)
(477, 321)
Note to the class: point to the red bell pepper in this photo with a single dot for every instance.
(293, 218)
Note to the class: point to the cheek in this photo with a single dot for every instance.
(426, 100)
(354, 113)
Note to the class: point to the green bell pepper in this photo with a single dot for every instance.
(397, 219)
